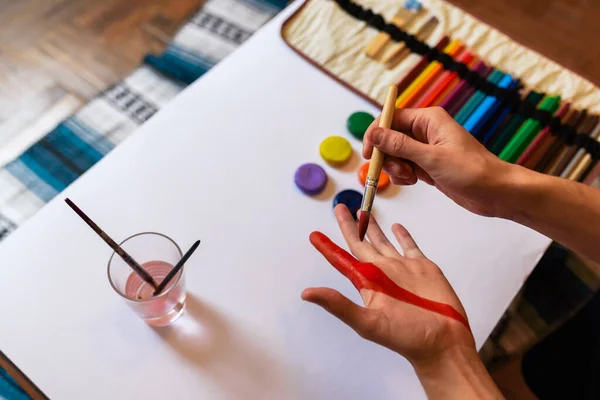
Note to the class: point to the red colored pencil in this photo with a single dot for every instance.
(540, 137)
(443, 81)
(419, 67)
(462, 86)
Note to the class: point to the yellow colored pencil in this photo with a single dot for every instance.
(426, 76)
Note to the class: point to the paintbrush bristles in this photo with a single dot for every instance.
(363, 224)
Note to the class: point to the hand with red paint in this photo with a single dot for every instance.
(434, 148)
(409, 307)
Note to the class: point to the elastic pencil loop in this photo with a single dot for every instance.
(541, 115)
(501, 93)
(460, 68)
(471, 77)
(570, 137)
(514, 100)
(446, 60)
(430, 52)
(485, 86)
(594, 149)
(555, 125)
(375, 20)
(580, 140)
(525, 108)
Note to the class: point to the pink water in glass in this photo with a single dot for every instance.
(167, 306)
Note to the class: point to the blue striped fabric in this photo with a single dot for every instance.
(9, 389)
(76, 144)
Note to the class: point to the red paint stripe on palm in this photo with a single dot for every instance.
(369, 276)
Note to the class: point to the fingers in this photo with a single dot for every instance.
(368, 146)
(361, 249)
(361, 319)
(379, 241)
(422, 124)
(423, 176)
(398, 145)
(408, 244)
(400, 171)
(338, 257)
(414, 133)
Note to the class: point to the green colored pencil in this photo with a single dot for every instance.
(514, 124)
(527, 132)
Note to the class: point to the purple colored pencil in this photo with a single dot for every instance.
(463, 91)
(455, 107)
(460, 88)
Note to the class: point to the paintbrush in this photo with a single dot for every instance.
(176, 268)
(135, 266)
(385, 121)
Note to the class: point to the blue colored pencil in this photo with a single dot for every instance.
(487, 108)
(470, 106)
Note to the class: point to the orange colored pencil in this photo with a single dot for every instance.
(453, 83)
(438, 87)
(419, 85)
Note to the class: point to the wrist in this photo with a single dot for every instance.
(457, 373)
(513, 190)
(449, 360)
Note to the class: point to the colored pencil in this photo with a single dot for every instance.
(487, 107)
(466, 96)
(568, 152)
(590, 175)
(498, 123)
(548, 158)
(495, 118)
(444, 93)
(540, 138)
(527, 131)
(540, 152)
(420, 66)
(513, 124)
(581, 161)
(461, 101)
(431, 72)
(442, 82)
(463, 85)
(470, 106)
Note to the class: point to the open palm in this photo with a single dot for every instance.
(421, 321)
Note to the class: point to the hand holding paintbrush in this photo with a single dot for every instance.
(376, 164)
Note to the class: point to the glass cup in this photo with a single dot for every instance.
(157, 254)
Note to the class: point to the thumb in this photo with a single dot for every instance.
(361, 319)
(400, 145)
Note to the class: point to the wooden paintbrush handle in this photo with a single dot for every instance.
(385, 121)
